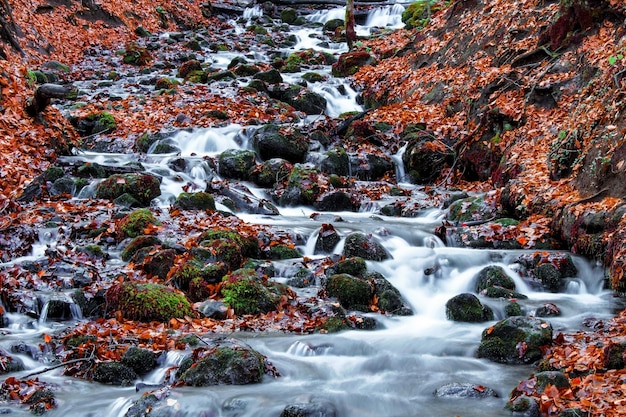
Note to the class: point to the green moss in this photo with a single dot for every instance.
(226, 365)
(53, 173)
(135, 223)
(279, 252)
(249, 245)
(136, 55)
(352, 293)
(138, 243)
(142, 187)
(417, 15)
(195, 201)
(75, 341)
(246, 293)
(334, 325)
(493, 276)
(354, 266)
(147, 302)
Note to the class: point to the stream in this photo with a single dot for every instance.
(392, 371)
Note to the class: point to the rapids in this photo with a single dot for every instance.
(389, 372)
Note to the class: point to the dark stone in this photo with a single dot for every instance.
(353, 293)
(491, 276)
(364, 246)
(464, 390)
(139, 360)
(236, 163)
(311, 409)
(195, 201)
(270, 141)
(271, 172)
(555, 378)
(213, 309)
(226, 366)
(327, 239)
(336, 200)
(515, 340)
(467, 307)
(143, 187)
(350, 62)
(114, 373)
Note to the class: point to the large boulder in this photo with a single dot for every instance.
(364, 246)
(425, 157)
(142, 187)
(468, 308)
(246, 292)
(271, 172)
(236, 163)
(147, 302)
(515, 340)
(300, 98)
(274, 141)
(225, 364)
(353, 293)
(303, 186)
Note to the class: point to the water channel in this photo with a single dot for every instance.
(389, 372)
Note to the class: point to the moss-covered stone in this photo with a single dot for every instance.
(139, 360)
(549, 276)
(351, 292)
(515, 340)
(236, 163)
(138, 243)
(195, 201)
(278, 252)
(350, 62)
(114, 373)
(134, 223)
(142, 187)
(471, 209)
(554, 378)
(513, 308)
(288, 15)
(136, 55)
(467, 307)
(271, 172)
(147, 302)
(226, 365)
(249, 245)
(274, 141)
(189, 67)
(364, 246)
(303, 186)
(248, 293)
(491, 276)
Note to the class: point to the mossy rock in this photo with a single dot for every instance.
(136, 55)
(499, 292)
(188, 68)
(147, 302)
(336, 161)
(226, 366)
(364, 246)
(247, 293)
(195, 201)
(91, 170)
(327, 239)
(515, 340)
(236, 163)
(554, 378)
(417, 14)
(134, 224)
(351, 292)
(303, 186)
(137, 243)
(471, 209)
(289, 15)
(271, 172)
(270, 76)
(333, 24)
(95, 123)
(143, 187)
(225, 250)
(354, 266)
(313, 77)
(513, 308)
(114, 373)
(390, 300)
(467, 307)
(350, 62)
(549, 276)
(139, 360)
(273, 141)
(10, 364)
(155, 264)
(493, 275)
(279, 252)
(249, 244)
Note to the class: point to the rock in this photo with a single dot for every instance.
(614, 355)
(239, 199)
(142, 187)
(351, 292)
(288, 15)
(279, 252)
(134, 223)
(95, 123)
(272, 141)
(547, 310)
(493, 276)
(515, 340)
(195, 201)
(336, 161)
(467, 307)
(364, 246)
(138, 243)
(139, 360)
(303, 186)
(114, 373)
(555, 378)
(333, 24)
(464, 390)
(350, 62)
(471, 209)
(425, 157)
(155, 264)
(512, 308)
(248, 293)
(214, 309)
(9, 363)
(354, 266)
(523, 406)
(271, 76)
(271, 172)
(302, 278)
(327, 239)
(300, 98)
(236, 163)
(147, 302)
(389, 298)
(370, 167)
(310, 409)
(336, 200)
(225, 365)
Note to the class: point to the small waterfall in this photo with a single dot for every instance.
(59, 307)
(387, 17)
(250, 13)
(299, 348)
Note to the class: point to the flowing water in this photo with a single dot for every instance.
(389, 372)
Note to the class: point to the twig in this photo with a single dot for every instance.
(91, 356)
